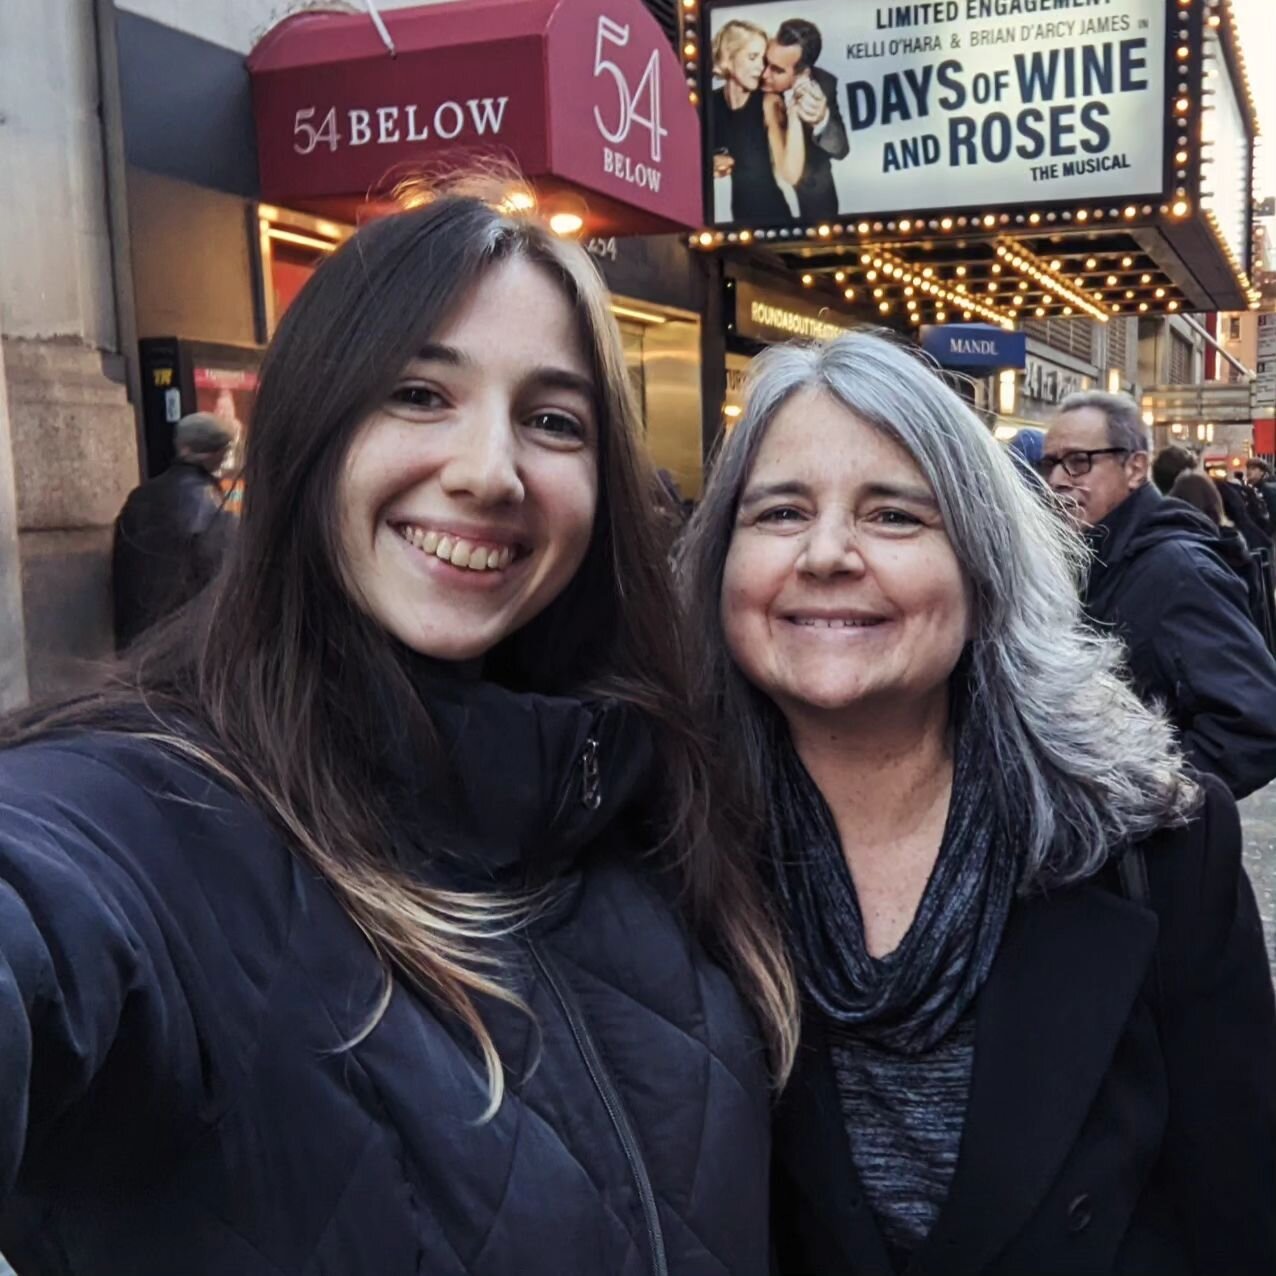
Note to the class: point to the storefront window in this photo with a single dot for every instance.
(292, 245)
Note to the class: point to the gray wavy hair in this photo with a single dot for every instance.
(1091, 766)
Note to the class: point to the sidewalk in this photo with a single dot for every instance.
(1258, 821)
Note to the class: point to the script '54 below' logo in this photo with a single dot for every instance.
(640, 106)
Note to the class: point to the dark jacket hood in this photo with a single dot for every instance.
(1145, 519)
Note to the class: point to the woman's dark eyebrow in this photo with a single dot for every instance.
(903, 492)
(562, 379)
(432, 353)
(549, 378)
(765, 491)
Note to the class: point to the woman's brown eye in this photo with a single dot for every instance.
(557, 423)
(417, 396)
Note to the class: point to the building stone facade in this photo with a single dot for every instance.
(68, 452)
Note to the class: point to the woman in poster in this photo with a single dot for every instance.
(756, 138)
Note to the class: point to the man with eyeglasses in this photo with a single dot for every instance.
(1157, 578)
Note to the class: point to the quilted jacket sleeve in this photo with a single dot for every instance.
(94, 1027)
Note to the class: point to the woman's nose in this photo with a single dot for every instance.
(832, 547)
(484, 465)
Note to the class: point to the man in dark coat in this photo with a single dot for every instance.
(173, 531)
(1159, 580)
(790, 64)
(1258, 474)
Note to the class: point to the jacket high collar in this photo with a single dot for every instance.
(515, 785)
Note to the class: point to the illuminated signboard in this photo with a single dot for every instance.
(763, 315)
(1226, 154)
(819, 109)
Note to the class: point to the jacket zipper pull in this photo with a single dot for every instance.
(591, 790)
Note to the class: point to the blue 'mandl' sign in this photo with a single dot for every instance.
(974, 346)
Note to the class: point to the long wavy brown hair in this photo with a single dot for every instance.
(273, 678)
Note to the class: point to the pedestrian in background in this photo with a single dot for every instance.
(1169, 463)
(1258, 474)
(1201, 492)
(1038, 1026)
(1157, 580)
(362, 923)
(173, 532)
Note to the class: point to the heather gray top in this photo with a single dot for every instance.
(904, 1115)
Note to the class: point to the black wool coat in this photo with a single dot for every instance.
(1159, 582)
(170, 539)
(178, 992)
(1122, 1111)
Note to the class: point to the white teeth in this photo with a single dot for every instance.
(812, 622)
(456, 550)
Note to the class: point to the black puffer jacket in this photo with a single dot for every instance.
(1158, 579)
(176, 989)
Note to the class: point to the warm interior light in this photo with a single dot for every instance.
(731, 410)
(306, 241)
(642, 316)
(519, 201)
(1006, 391)
(566, 224)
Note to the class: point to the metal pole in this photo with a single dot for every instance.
(381, 28)
(1231, 358)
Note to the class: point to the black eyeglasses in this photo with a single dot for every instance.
(1076, 464)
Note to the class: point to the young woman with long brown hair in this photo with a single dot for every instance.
(364, 921)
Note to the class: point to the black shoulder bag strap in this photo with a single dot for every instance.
(1133, 871)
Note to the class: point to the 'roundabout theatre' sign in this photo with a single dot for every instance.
(942, 105)
(588, 94)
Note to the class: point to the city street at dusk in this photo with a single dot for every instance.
(632, 637)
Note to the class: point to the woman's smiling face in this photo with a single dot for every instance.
(467, 499)
(841, 589)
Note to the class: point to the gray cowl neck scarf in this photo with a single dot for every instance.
(910, 999)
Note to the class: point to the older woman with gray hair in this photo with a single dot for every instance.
(1038, 1032)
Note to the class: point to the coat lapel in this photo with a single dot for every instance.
(813, 1150)
(1047, 1024)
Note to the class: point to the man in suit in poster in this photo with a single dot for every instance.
(790, 65)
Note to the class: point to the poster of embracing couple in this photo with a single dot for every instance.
(776, 125)
(825, 110)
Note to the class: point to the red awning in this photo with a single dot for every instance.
(586, 97)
